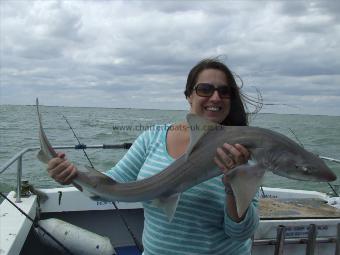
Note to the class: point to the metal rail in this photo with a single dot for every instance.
(312, 233)
(18, 157)
(260, 242)
(330, 159)
(337, 245)
(280, 240)
(311, 240)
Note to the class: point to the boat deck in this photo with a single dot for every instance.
(296, 209)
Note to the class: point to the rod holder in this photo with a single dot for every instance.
(337, 241)
(280, 239)
(311, 241)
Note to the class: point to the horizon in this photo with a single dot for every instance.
(155, 109)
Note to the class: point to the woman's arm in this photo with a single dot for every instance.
(244, 229)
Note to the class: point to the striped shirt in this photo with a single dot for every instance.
(201, 224)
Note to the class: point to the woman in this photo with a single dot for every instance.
(205, 221)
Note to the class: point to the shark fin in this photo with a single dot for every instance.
(198, 128)
(169, 205)
(245, 181)
(42, 156)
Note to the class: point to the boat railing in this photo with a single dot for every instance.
(310, 241)
(18, 157)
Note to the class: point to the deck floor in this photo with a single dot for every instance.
(296, 208)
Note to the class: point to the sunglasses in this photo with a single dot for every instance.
(207, 90)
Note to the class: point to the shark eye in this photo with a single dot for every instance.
(304, 169)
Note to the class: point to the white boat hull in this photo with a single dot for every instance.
(100, 217)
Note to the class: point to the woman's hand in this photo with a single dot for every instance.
(229, 156)
(61, 170)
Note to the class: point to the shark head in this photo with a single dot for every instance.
(303, 166)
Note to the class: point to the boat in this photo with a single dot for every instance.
(62, 220)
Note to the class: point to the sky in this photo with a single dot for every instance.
(137, 54)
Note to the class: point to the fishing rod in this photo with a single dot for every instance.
(36, 224)
(74, 134)
(330, 185)
(296, 137)
(83, 147)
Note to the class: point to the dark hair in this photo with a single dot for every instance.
(237, 115)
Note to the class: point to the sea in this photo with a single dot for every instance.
(97, 126)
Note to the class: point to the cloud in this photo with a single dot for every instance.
(137, 54)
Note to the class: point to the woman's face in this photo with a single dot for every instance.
(213, 108)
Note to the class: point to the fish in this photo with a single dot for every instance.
(269, 150)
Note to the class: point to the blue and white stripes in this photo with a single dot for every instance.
(201, 224)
